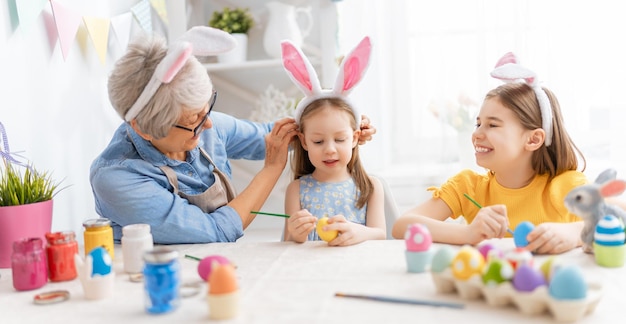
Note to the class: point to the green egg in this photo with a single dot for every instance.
(442, 259)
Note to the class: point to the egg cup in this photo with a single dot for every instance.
(610, 256)
(419, 261)
(535, 302)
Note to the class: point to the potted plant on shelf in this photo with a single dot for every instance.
(25, 202)
(237, 22)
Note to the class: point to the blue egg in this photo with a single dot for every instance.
(520, 233)
(568, 283)
(609, 231)
(442, 259)
(101, 261)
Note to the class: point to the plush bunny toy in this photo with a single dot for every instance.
(301, 72)
(587, 202)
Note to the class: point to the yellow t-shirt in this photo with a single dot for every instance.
(540, 201)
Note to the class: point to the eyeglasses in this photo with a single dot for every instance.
(197, 129)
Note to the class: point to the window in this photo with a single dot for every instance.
(428, 54)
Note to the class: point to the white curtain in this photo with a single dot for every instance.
(435, 57)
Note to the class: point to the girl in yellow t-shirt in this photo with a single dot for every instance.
(521, 139)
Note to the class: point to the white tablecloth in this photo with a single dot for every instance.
(296, 283)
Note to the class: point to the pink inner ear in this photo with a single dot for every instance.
(177, 65)
(294, 63)
(612, 188)
(507, 58)
(356, 63)
(352, 73)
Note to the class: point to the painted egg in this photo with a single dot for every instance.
(442, 259)
(223, 280)
(568, 283)
(520, 233)
(549, 266)
(206, 264)
(519, 256)
(496, 272)
(101, 261)
(527, 278)
(467, 262)
(417, 238)
(609, 231)
(485, 248)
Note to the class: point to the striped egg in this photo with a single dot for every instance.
(609, 231)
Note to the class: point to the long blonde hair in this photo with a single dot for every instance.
(562, 155)
(301, 164)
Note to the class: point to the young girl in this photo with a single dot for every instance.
(329, 178)
(521, 139)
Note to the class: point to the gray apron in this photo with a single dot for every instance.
(216, 196)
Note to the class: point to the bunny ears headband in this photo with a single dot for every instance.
(199, 40)
(508, 69)
(301, 72)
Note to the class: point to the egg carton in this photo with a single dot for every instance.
(530, 303)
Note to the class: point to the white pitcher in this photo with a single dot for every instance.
(282, 24)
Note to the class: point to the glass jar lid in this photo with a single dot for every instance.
(97, 222)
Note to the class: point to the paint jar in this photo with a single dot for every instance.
(161, 276)
(60, 253)
(136, 240)
(28, 264)
(98, 232)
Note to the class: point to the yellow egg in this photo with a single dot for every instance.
(467, 262)
(325, 235)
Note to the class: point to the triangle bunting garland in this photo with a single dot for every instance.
(67, 22)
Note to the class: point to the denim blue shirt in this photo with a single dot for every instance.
(129, 187)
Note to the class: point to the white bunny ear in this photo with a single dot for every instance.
(353, 67)
(300, 69)
(508, 69)
(208, 41)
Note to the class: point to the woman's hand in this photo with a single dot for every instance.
(367, 130)
(490, 222)
(277, 142)
(299, 225)
(554, 238)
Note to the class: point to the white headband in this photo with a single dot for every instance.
(199, 40)
(509, 70)
(301, 72)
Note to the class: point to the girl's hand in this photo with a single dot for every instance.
(300, 224)
(553, 238)
(490, 222)
(349, 232)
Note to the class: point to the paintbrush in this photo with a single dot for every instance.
(479, 206)
(269, 214)
(403, 300)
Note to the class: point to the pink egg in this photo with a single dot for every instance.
(417, 238)
(204, 267)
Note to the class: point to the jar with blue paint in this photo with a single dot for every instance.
(162, 280)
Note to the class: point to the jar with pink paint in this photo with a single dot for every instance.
(28, 264)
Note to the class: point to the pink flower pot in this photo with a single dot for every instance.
(23, 221)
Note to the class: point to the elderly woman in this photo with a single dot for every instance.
(167, 164)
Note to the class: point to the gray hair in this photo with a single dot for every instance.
(189, 90)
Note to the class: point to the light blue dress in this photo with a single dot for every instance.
(330, 199)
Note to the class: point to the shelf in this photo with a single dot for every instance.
(256, 64)
(250, 65)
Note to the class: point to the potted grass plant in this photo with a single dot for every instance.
(237, 22)
(26, 197)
